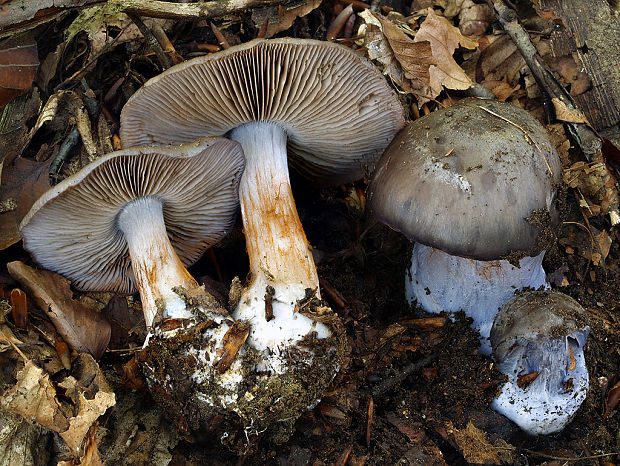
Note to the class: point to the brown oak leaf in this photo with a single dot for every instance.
(444, 38)
(406, 62)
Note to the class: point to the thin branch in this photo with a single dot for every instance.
(585, 136)
(151, 41)
(15, 17)
(201, 10)
(385, 386)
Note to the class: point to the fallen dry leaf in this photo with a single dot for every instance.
(282, 17)
(597, 188)
(406, 62)
(231, 344)
(414, 431)
(88, 411)
(82, 328)
(14, 130)
(476, 449)
(499, 60)
(22, 182)
(444, 39)
(599, 250)
(563, 113)
(121, 442)
(35, 398)
(21, 442)
(91, 453)
(502, 90)
(96, 20)
(568, 68)
(19, 63)
(474, 18)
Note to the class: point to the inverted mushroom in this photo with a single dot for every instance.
(134, 219)
(474, 186)
(315, 105)
(538, 341)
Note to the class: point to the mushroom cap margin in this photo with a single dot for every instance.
(466, 178)
(71, 229)
(338, 111)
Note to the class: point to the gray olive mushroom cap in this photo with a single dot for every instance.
(72, 229)
(464, 180)
(537, 315)
(337, 110)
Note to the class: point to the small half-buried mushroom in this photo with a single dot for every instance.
(134, 219)
(322, 109)
(538, 341)
(474, 186)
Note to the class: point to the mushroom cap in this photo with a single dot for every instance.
(536, 315)
(464, 179)
(337, 110)
(72, 228)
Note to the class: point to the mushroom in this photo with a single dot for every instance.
(316, 105)
(538, 339)
(134, 219)
(474, 186)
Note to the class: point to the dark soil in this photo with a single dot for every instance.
(365, 418)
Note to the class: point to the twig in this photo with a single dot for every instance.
(77, 74)
(15, 17)
(585, 136)
(338, 23)
(63, 153)
(565, 458)
(527, 136)
(8, 340)
(344, 456)
(220, 37)
(333, 293)
(385, 386)
(165, 43)
(200, 10)
(151, 41)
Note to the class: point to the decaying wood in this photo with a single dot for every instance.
(15, 17)
(18, 16)
(152, 42)
(587, 139)
(581, 130)
(592, 33)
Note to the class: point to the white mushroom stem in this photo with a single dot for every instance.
(441, 282)
(156, 267)
(546, 405)
(281, 263)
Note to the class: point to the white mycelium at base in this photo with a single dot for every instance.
(442, 282)
(158, 270)
(156, 267)
(549, 403)
(279, 253)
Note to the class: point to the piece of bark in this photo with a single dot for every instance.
(83, 329)
(21, 16)
(583, 133)
(587, 139)
(591, 32)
